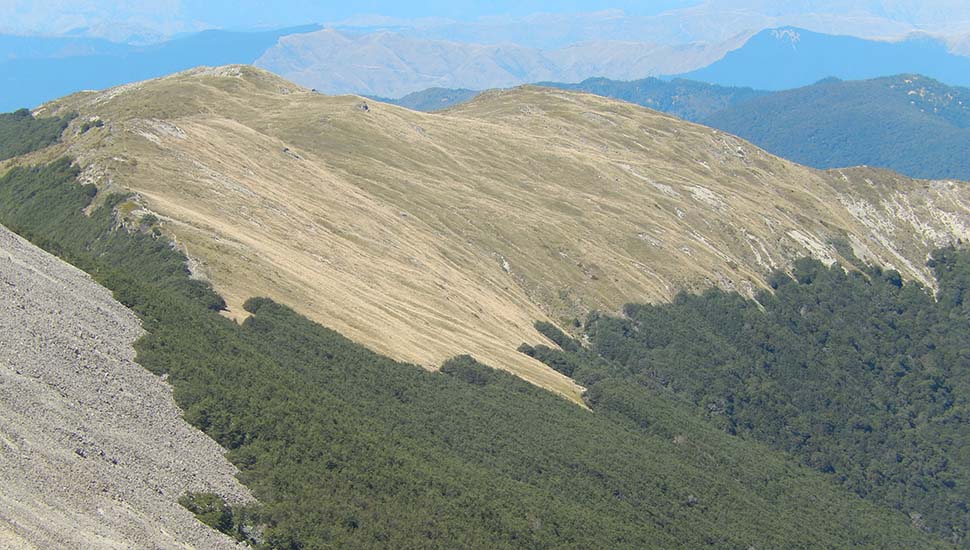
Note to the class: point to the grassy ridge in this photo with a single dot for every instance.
(346, 448)
(404, 243)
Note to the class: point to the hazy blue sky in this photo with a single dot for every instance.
(181, 15)
(234, 12)
(160, 18)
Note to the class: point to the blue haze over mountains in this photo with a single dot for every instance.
(780, 59)
(39, 69)
(697, 41)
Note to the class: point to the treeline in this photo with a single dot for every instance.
(346, 448)
(858, 375)
(21, 133)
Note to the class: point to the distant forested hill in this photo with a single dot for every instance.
(911, 124)
(432, 99)
(687, 99)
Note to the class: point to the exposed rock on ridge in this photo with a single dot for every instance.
(93, 450)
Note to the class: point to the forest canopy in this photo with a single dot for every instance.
(859, 375)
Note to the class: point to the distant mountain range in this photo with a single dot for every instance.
(667, 22)
(37, 47)
(37, 69)
(389, 64)
(785, 58)
(710, 21)
(392, 65)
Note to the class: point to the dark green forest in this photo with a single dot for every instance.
(858, 375)
(21, 133)
(345, 448)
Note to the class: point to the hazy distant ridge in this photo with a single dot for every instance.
(389, 64)
(39, 69)
(784, 58)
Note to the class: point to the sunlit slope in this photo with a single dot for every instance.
(429, 235)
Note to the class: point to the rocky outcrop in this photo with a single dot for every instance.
(93, 450)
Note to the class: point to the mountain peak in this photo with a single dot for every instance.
(181, 93)
(251, 74)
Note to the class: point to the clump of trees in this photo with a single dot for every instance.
(210, 509)
(21, 133)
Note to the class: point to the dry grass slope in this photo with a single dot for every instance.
(428, 235)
